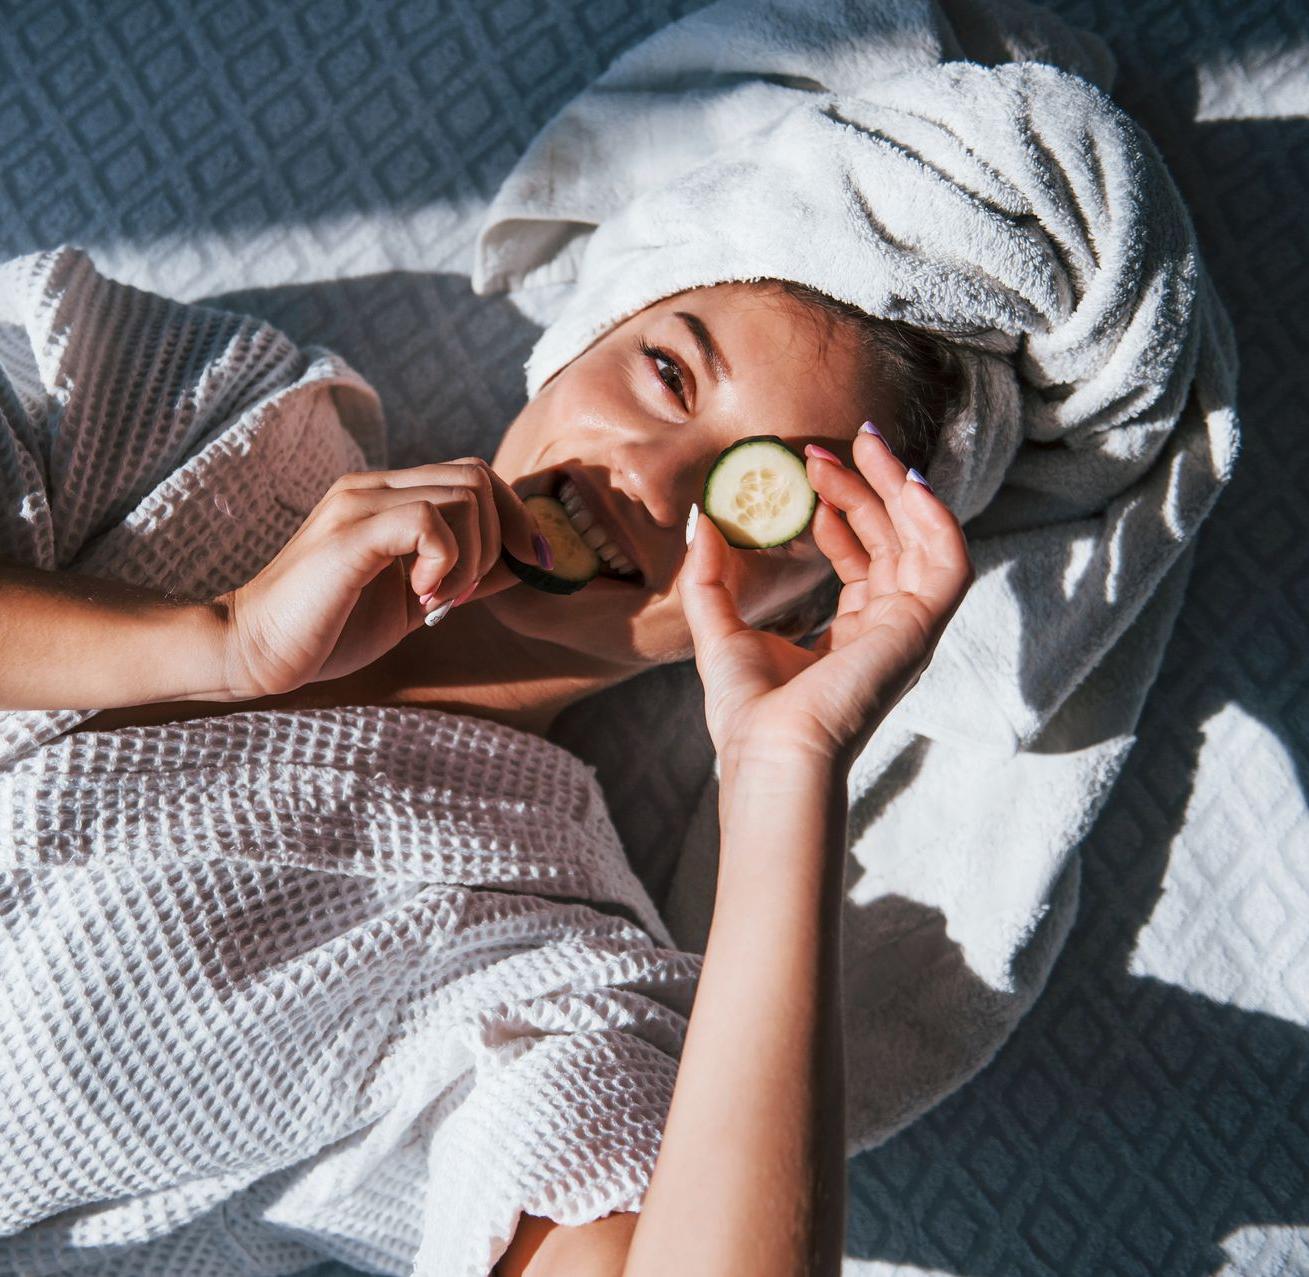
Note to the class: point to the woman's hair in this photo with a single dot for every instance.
(926, 379)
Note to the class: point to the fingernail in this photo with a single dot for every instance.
(438, 613)
(467, 594)
(824, 500)
(870, 429)
(813, 450)
(691, 520)
(918, 478)
(425, 599)
(544, 556)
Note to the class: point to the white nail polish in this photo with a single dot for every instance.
(438, 613)
(691, 520)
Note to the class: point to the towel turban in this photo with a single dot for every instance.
(1013, 207)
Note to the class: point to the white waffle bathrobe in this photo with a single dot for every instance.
(362, 983)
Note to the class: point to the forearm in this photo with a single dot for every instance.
(751, 1172)
(76, 642)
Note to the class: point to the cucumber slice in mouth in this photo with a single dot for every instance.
(575, 563)
(757, 493)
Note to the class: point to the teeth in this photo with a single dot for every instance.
(592, 533)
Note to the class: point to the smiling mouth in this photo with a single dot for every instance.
(614, 564)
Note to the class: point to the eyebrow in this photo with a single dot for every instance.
(713, 357)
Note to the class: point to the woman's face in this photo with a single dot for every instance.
(638, 429)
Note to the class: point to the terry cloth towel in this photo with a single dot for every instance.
(277, 986)
(928, 164)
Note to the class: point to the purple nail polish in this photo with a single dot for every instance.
(918, 478)
(544, 556)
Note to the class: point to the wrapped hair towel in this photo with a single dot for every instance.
(929, 164)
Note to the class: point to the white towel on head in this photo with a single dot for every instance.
(1014, 206)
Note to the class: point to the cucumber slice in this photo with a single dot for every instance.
(757, 493)
(575, 563)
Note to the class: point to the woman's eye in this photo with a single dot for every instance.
(666, 367)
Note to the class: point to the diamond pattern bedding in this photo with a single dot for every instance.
(323, 165)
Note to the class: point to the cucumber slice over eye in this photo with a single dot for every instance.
(575, 563)
(757, 493)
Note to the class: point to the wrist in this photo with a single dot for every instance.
(783, 813)
(785, 766)
(199, 632)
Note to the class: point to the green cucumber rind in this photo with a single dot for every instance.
(718, 461)
(539, 579)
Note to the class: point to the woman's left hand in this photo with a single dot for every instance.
(904, 566)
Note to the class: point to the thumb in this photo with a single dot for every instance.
(707, 599)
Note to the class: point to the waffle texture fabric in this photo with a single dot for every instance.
(170, 446)
(363, 983)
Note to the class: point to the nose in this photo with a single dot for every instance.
(665, 476)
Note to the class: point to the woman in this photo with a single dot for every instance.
(749, 1176)
(318, 788)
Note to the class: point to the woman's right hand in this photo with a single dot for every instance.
(347, 587)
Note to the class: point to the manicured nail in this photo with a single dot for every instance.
(438, 613)
(824, 500)
(813, 450)
(468, 593)
(918, 478)
(544, 555)
(691, 520)
(870, 429)
(425, 599)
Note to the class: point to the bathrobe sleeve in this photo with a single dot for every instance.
(567, 1112)
(172, 446)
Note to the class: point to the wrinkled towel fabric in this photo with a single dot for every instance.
(929, 164)
(359, 983)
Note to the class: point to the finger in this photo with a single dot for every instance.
(502, 517)
(852, 495)
(836, 539)
(849, 488)
(464, 511)
(436, 473)
(469, 473)
(516, 522)
(361, 549)
(941, 536)
(460, 506)
(707, 598)
(919, 517)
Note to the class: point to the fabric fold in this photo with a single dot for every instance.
(220, 1029)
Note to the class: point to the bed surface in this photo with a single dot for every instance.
(323, 165)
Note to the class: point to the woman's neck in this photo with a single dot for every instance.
(473, 664)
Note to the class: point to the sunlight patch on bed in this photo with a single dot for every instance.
(1232, 922)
